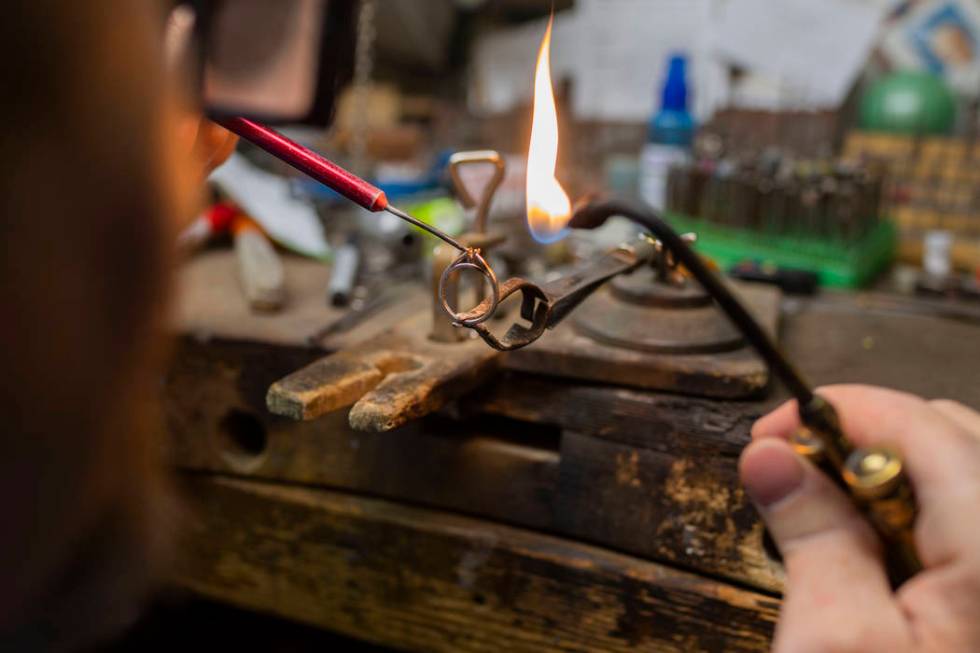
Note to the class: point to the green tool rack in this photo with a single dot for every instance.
(838, 263)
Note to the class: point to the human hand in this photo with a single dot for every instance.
(213, 144)
(837, 595)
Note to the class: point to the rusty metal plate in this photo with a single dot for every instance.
(735, 373)
(687, 330)
(642, 287)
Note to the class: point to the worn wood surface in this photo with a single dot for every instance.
(665, 422)
(210, 303)
(214, 404)
(651, 474)
(579, 461)
(571, 485)
(427, 580)
(687, 511)
(388, 380)
(895, 342)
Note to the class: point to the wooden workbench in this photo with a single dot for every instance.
(534, 514)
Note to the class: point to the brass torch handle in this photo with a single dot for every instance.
(809, 445)
(876, 479)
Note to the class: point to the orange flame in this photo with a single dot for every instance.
(548, 207)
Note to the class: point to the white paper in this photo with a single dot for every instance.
(266, 198)
(814, 50)
(615, 54)
(629, 43)
(502, 75)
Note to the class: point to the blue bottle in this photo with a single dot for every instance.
(669, 137)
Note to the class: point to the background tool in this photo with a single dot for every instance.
(819, 214)
(217, 219)
(259, 267)
(794, 282)
(343, 274)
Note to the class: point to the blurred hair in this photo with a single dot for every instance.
(83, 216)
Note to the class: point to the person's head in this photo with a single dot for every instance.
(91, 181)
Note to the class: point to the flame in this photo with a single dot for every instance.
(548, 207)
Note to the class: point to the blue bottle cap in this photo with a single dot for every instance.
(675, 88)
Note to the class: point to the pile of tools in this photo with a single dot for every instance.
(778, 195)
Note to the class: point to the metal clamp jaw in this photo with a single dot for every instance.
(545, 305)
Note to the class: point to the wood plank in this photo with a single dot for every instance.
(387, 381)
(660, 475)
(682, 510)
(651, 474)
(424, 580)
(661, 421)
(215, 390)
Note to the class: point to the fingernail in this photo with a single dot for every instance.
(771, 472)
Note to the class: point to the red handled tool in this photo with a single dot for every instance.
(326, 172)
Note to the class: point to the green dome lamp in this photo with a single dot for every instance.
(908, 102)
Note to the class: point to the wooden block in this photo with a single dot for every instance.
(423, 580)
(689, 511)
(215, 409)
(260, 270)
(389, 380)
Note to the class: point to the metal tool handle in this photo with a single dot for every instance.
(461, 159)
(309, 162)
(326, 172)
(876, 479)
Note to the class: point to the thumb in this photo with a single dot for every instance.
(834, 570)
